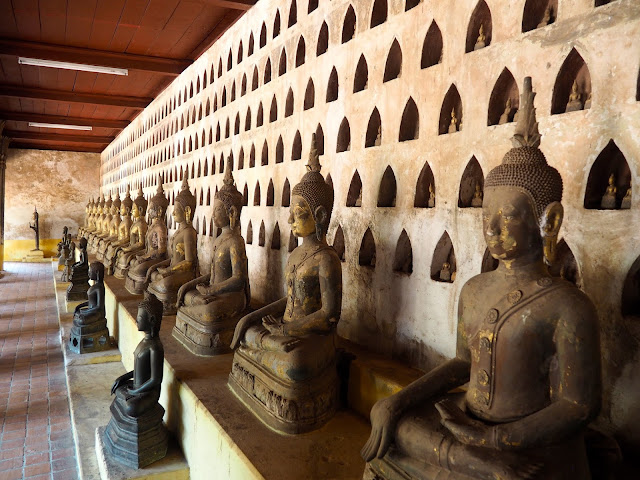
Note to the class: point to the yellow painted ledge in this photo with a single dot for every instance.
(15, 250)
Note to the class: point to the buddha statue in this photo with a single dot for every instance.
(105, 225)
(135, 436)
(284, 366)
(63, 247)
(137, 233)
(91, 223)
(114, 228)
(62, 242)
(87, 215)
(453, 124)
(480, 41)
(124, 229)
(608, 201)
(155, 244)
(574, 102)
(506, 115)
(378, 140)
(168, 276)
(89, 332)
(626, 201)
(445, 273)
(68, 263)
(79, 276)
(210, 306)
(587, 102)
(527, 345)
(476, 201)
(432, 197)
(546, 17)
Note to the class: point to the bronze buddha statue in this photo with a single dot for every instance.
(155, 244)
(476, 201)
(210, 306)
(168, 276)
(608, 201)
(137, 237)
(114, 228)
(103, 227)
(527, 345)
(481, 40)
(79, 276)
(575, 102)
(124, 229)
(284, 366)
(93, 219)
(626, 200)
(87, 217)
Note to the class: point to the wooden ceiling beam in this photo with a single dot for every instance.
(63, 53)
(61, 119)
(243, 5)
(48, 146)
(222, 26)
(74, 97)
(57, 137)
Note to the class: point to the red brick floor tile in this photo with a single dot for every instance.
(32, 470)
(11, 474)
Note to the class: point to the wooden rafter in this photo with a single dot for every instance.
(57, 137)
(66, 148)
(243, 5)
(74, 97)
(61, 119)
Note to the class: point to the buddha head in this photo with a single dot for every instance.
(159, 203)
(127, 203)
(149, 316)
(311, 200)
(87, 208)
(139, 208)
(82, 244)
(96, 271)
(115, 205)
(522, 213)
(227, 202)
(185, 203)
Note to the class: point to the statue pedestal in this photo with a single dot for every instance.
(90, 338)
(135, 441)
(70, 306)
(35, 256)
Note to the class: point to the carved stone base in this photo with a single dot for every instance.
(285, 406)
(387, 469)
(77, 291)
(136, 441)
(134, 284)
(120, 271)
(93, 337)
(205, 339)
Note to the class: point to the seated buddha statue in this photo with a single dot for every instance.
(89, 332)
(608, 201)
(476, 201)
(527, 345)
(626, 201)
(135, 435)
(124, 228)
(114, 228)
(481, 40)
(136, 241)
(506, 115)
(453, 124)
(87, 217)
(210, 306)
(574, 103)
(79, 276)
(155, 244)
(284, 366)
(105, 225)
(168, 276)
(432, 197)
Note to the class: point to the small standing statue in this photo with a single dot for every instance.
(476, 201)
(79, 277)
(626, 201)
(480, 41)
(89, 332)
(68, 262)
(135, 435)
(36, 228)
(432, 197)
(506, 115)
(64, 248)
(608, 201)
(61, 243)
(453, 125)
(574, 104)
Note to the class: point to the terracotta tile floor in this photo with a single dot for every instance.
(36, 441)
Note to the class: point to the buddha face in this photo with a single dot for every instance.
(179, 213)
(135, 211)
(220, 214)
(143, 322)
(124, 210)
(510, 225)
(300, 217)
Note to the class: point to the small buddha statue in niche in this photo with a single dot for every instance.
(608, 201)
(378, 140)
(480, 41)
(181, 267)
(89, 332)
(476, 201)
(432, 197)
(453, 124)
(445, 273)
(155, 244)
(506, 115)
(284, 367)
(587, 103)
(79, 276)
(124, 229)
(626, 201)
(135, 435)
(546, 17)
(527, 346)
(137, 233)
(574, 103)
(114, 227)
(210, 306)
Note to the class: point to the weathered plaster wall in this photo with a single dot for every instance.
(58, 184)
(406, 315)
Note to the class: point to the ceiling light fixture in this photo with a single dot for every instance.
(60, 125)
(37, 62)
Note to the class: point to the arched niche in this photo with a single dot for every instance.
(411, 4)
(252, 157)
(309, 95)
(288, 106)
(480, 20)
(379, 13)
(260, 116)
(267, 72)
(282, 66)
(538, 14)
(227, 131)
(565, 265)
(236, 126)
(343, 143)
(240, 53)
(472, 177)
(504, 100)
(451, 112)
(349, 25)
(572, 89)
(224, 97)
(638, 88)
(233, 92)
(432, 47)
(276, 24)
(280, 150)
(489, 264)
(270, 194)
(265, 154)
(373, 136)
(443, 254)
(293, 14)
(393, 66)
(323, 40)
(261, 234)
(410, 123)
(256, 195)
(296, 147)
(600, 3)
(275, 237)
(254, 79)
(245, 195)
(425, 186)
(243, 85)
(293, 242)
(361, 77)
(332, 86)
(208, 196)
(273, 111)
(319, 140)
(300, 52)
(247, 120)
(313, 5)
(229, 61)
(630, 304)
(286, 193)
(367, 254)
(403, 256)
(611, 161)
(211, 227)
(329, 181)
(388, 189)
(354, 195)
(338, 243)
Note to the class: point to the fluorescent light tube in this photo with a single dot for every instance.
(60, 125)
(37, 62)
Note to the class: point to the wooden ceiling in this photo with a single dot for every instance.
(154, 39)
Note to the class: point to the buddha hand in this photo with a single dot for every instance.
(384, 419)
(463, 428)
(203, 289)
(119, 382)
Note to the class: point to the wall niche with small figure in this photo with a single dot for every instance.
(480, 29)
(443, 263)
(432, 47)
(354, 196)
(388, 188)
(367, 254)
(538, 14)
(504, 100)
(338, 243)
(403, 257)
(609, 182)
(451, 112)
(471, 185)
(572, 89)
(425, 188)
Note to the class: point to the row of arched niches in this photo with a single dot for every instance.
(572, 89)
